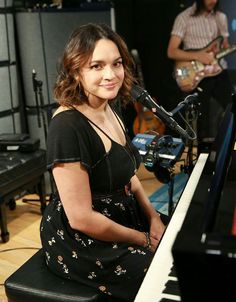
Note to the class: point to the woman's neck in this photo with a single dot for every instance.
(95, 111)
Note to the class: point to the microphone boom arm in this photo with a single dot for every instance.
(144, 98)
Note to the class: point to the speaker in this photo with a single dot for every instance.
(7, 37)
(10, 120)
(10, 123)
(42, 37)
(38, 126)
(6, 3)
(8, 87)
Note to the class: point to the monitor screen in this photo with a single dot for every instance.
(220, 156)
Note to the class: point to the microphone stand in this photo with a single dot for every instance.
(171, 193)
(40, 85)
(192, 113)
(37, 87)
(141, 95)
(190, 152)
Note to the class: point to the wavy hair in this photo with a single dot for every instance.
(68, 90)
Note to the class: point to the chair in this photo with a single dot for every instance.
(34, 282)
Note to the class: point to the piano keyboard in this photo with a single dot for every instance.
(159, 274)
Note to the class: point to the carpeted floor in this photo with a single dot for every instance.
(160, 198)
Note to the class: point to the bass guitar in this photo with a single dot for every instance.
(188, 74)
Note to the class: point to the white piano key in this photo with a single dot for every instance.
(152, 287)
(171, 297)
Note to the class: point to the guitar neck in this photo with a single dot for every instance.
(225, 52)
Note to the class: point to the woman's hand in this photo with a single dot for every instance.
(157, 229)
(154, 244)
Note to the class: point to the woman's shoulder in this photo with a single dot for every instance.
(65, 120)
(62, 111)
(66, 115)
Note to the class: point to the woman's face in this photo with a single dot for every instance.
(103, 74)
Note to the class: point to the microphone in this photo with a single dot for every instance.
(142, 96)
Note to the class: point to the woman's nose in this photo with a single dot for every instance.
(109, 72)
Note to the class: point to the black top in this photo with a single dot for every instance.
(72, 138)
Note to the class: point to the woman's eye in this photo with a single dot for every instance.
(101, 66)
(118, 64)
(96, 67)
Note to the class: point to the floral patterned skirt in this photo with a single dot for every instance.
(116, 269)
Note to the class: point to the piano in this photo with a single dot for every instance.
(157, 275)
(196, 257)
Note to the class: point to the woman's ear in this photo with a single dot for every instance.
(77, 77)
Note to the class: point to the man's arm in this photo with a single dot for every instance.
(226, 43)
(176, 53)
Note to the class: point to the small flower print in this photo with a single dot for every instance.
(92, 275)
(99, 263)
(119, 271)
(74, 254)
(60, 233)
(52, 241)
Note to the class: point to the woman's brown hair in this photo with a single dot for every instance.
(68, 90)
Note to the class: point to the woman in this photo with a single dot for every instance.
(100, 229)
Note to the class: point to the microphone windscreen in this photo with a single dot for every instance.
(136, 91)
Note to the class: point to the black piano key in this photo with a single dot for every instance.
(173, 272)
(172, 288)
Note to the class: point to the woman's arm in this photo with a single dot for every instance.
(156, 226)
(72, 181)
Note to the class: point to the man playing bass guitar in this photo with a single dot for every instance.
(194, 29)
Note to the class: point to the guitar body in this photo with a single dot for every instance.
(146, 121)
(189, 74)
